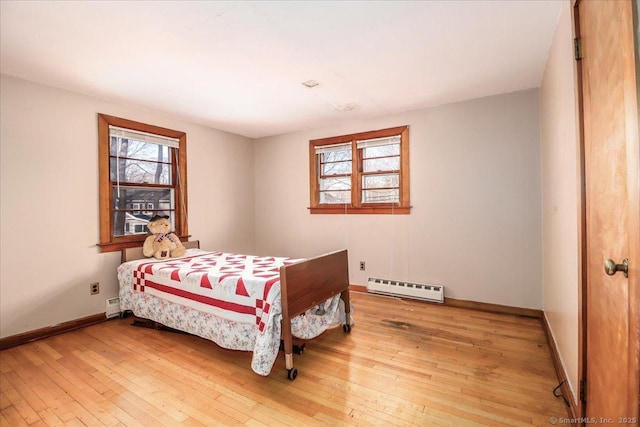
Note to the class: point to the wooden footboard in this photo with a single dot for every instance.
(306, 284)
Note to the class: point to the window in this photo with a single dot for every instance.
(142, 174)
(364, 173)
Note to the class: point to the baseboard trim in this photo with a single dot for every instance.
(572, 410)
(49, 331)
(358, 288)
(474, 305)
(493, 308)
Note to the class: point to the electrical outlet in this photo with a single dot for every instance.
(362, 265)
(94, 288)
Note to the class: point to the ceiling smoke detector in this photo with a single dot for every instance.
(311, 83)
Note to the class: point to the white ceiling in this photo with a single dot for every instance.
(239, 66)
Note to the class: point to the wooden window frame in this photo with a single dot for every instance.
(109, 242)
(356, 206)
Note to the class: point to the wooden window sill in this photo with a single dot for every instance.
(361, 210)
(129, 243)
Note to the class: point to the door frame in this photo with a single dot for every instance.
(579, 411)
(634, 188)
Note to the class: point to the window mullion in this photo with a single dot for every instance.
(356, 176)
(404, 169)
(177, 191)
(318, 173)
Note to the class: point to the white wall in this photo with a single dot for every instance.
(475, 226)
(560, 190)
(49, 201)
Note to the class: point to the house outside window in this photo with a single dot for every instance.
(142, 174)
(363, 173)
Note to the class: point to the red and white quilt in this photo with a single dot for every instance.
(231, 286)
(230, 299)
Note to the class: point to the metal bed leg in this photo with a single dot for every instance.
(292, 372)
(346, 327)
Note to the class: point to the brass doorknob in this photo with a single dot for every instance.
(611, 268)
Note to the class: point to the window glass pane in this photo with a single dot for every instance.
(381, 196)
(336, 156)
(139, 150)
(128, 218)
(382, 150)
(335, 162)
(332, 197)
(338, 168)
(342, 183)
(381, 181)
(139, 172)
(382, 164)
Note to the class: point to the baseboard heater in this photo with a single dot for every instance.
(113, 307)
(422, 291)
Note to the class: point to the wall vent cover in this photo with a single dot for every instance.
(422, 291)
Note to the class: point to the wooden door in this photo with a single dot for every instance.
(612, 187)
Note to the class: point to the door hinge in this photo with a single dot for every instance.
(583, 390)
(577, 48)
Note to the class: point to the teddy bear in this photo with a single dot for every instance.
(162, 243)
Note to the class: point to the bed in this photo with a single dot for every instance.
(240, 302)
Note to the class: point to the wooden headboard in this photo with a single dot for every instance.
(129, 254)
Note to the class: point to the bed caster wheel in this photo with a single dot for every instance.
(292, 373)
(298, 349)
(346, 327)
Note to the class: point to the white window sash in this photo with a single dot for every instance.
(322, 149)
(378, 142)
(150, 138)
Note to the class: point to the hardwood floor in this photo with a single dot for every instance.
(404, 363)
